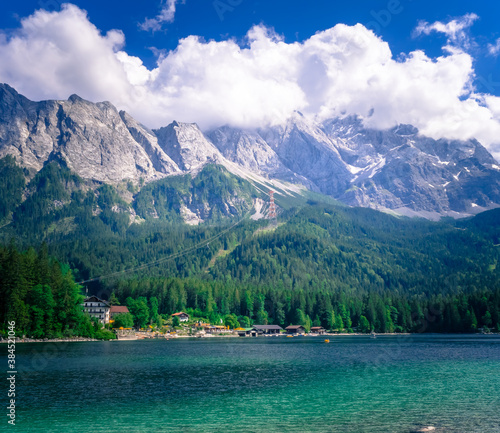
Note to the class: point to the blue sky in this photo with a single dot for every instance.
(295, 19)
(456, 50)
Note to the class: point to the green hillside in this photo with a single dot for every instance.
(324, 263)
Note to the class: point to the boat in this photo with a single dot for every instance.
(327, 341)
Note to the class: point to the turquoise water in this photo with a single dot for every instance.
(353, 384)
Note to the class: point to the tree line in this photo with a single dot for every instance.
(245, 305)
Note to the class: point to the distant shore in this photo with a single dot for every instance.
(173, 337)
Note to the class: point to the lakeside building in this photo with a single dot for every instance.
(203, 325)
(97, 308)
(117, 309)
(318, 330)
(246, 332)
(267, 329)
(183, 317)
(295, 329)
(214, 329)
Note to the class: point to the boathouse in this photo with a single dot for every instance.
(318, 330)
(295, 329)
(246, 332)
(267, 329)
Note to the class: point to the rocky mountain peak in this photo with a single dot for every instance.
(405, 130)
(74, 98)
(91, 139)
(187, 146)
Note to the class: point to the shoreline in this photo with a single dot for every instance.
(50, 340)
(345, 334)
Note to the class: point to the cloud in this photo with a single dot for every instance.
(340, 71)
(60, 53)
(455, 30)
(166, 15)
(494, 49)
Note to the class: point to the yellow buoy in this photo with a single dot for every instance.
(327, 341)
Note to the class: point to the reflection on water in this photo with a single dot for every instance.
(353, 384)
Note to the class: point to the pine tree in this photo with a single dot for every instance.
(113, 300)
(364, 325)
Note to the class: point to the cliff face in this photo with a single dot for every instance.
(91, 139)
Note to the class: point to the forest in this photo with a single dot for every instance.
(323, 264)
(41, 296)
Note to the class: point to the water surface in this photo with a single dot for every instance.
(353, 384)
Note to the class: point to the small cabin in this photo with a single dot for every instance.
(295, 329)
(318, 330)
(183, 317)
(268, 329)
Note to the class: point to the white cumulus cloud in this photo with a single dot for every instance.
(166, 15)
(55, 54)
(340, 71)
(455, 30)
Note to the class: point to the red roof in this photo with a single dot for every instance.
(180, 314)
(117, 309)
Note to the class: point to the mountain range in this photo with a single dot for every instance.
(121, 206)
(397, 170)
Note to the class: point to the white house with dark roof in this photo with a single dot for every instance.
(97, 308)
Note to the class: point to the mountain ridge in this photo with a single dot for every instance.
(396, 170)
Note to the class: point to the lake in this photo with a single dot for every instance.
(273, 384)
